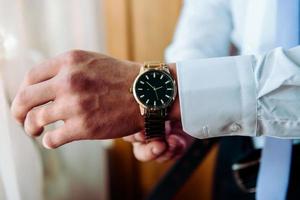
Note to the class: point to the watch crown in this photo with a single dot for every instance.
(131, 90)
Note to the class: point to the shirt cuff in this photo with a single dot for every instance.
(218, 96)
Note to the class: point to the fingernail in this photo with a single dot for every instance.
(45, 144)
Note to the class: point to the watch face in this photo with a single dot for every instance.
(155, 89)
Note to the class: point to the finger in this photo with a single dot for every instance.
(59, 137)
(41, 116)
(148, 151)
(32, 96)
(137, 137)
(44, 70)
(175, 149)
(140, 137)
(129, 138)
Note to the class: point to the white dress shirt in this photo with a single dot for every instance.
(254, 94)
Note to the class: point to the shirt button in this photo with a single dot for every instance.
(235, 127)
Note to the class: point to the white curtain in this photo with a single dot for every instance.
(30, 31)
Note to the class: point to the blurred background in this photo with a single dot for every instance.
(33, 30)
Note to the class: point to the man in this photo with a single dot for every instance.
(251, 27)
(250, 95)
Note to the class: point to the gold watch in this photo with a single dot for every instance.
(154, 89)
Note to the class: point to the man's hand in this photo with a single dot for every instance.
(176, 143)
(89, 92)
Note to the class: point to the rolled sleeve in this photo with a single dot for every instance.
(278, 83)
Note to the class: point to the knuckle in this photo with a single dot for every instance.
(23, 95)
(29, 76)
(42, 116)
(31, 118)
(75, 56)
(17, 113)
(18, 108)
(76, 81)
(18, 116)
(31, 125)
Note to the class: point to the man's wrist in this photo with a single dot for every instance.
(139, 120)
(174, 110)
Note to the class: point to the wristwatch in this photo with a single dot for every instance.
(155, 90)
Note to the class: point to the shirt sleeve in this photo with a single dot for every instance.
(203, 30)
(249, 95)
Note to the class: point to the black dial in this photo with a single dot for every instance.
(155, 89)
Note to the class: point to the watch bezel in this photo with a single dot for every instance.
(155, 108)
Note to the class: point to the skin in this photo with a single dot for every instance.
(89, 92)
(172, 147)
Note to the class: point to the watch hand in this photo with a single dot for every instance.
(156, 94)
(153, 89)
(158, 88)
(150, 85)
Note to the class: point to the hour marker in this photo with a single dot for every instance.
(142, 96)
(142, 82)
(162, 101)
(154, 103)
(161, 76)
(167, 82)
(140, 88)
(147, 77)
(169, 88)
(154, 75)
(147, 101)
(168, 96)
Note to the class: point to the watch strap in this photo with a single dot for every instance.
(155, 119)
(155, 124)
(156, 65)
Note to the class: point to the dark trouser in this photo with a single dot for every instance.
(232, 148)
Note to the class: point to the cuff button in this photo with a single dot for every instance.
(235, 127)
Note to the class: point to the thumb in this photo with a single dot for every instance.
(149, 151)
